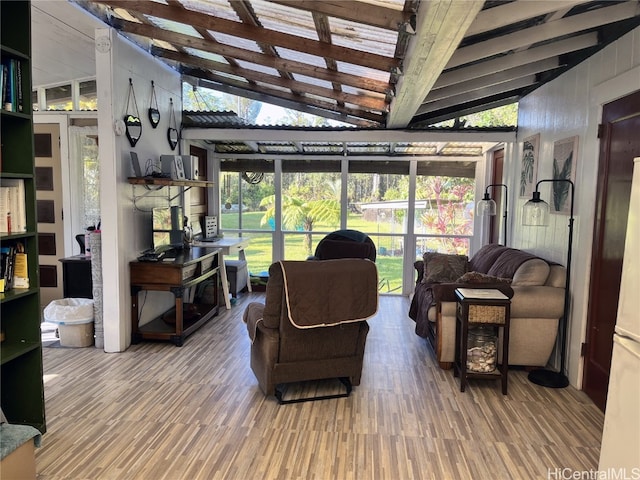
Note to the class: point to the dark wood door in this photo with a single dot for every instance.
(619, 145)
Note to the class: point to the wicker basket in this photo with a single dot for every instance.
(487, 314)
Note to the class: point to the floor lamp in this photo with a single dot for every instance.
(536, 212)
(487, 206)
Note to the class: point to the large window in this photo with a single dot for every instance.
(444, 213)
(311, 205)
(378, 199)
(244, 193)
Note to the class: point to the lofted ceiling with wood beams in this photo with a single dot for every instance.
(372, 63)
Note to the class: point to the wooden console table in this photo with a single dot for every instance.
(187, 269)
(481, 307)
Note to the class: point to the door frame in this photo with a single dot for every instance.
(601, 94)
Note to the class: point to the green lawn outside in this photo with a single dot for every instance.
(389, 259)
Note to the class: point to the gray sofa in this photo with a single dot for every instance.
(536, 289)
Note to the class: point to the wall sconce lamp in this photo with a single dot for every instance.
(487, 206)
(536, 213)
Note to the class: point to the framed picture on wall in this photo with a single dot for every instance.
(564, 167)
(529, 169)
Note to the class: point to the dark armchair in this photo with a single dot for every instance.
(313, 323)
(345, 244)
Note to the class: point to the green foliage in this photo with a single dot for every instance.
(561, 189)
(506, 115)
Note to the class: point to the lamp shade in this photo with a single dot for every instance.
(486, 206)
(535, 212)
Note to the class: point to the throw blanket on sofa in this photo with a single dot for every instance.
(352, 301)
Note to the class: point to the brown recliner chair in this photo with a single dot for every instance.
(312, 325)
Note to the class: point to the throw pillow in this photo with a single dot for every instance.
(477, 277)
(442, 267)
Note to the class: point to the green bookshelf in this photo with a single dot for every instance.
(21, 387)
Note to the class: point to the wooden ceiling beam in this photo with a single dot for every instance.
(374, 103)
(494, 79)
(547, 31)
(354, 11)
(324, 34)
(518, 59)
(257, 34)
(461, 99)
(253, 57)
(514, 12)
(441, 24)
(365, 114)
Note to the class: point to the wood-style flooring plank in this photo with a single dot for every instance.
(160, 412)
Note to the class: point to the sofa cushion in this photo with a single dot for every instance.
(485, 257)
(478, 277)
(442, 267)
(508, 262)
(532, 272)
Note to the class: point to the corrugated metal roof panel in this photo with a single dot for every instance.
(217, 8)
(238, 42)
(301, 57)
(174, 27)
(282, 18)
(206, 55)
(363, 37)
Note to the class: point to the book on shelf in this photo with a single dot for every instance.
(13, 213)
(14, 271)
(11, 85)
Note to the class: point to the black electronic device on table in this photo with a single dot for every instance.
(156, 254)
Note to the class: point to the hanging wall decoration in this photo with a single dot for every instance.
(564, 168)
(132, 122)
(154, 113)
(172, 132)
(529, 169)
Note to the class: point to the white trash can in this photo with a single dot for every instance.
(74, 317)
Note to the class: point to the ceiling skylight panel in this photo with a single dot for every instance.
(258, 68)
(214, 57)
(313, 81)
(163, 44)
(359, 91)
(322, 147)
(301, 57)
(372, 147)
(364, 72)
(174, 27)
(238, 42)
(285, 19)
(367, 38)
(214, 8)
(416, 148)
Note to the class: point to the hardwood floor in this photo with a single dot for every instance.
(161, 412)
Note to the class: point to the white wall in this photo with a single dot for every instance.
(572, 105)
(125, 230)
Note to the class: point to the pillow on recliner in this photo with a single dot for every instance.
(443, 267)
